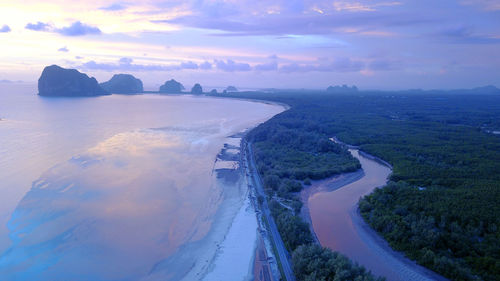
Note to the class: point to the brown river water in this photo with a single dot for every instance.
(338, 225)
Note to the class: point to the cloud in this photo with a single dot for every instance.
(188, 65)
(4, 29)
(340, 65)
(75, 29)
(465, 35)
(488, 5)
(231, 66)
(206, 65)
(126, 64)
(125, 61)
(78, 29)
(6, 81)
(266, 66)
(298, 25)
(384, 65)
(114, 7)
(361, 7)
(251, 18)
(63, 49)
(39, 26)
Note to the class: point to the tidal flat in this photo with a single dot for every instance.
(119, 186)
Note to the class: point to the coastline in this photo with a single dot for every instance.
(284, 105)
(247, 217)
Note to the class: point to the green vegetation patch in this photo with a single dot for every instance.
(441, 208)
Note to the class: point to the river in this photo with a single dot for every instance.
(338, 225)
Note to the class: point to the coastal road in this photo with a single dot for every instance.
(282, 253)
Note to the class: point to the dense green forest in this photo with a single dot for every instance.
(290, 151)
(314, 263)
(440, 208)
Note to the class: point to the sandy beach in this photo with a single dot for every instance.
(133, 198)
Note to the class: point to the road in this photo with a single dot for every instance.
(282, 253)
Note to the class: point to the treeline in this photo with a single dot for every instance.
(313, 263)
(310, 261)
(454, 241)
(441, 208)
(290, 151)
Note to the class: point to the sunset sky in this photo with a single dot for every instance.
(253, 44)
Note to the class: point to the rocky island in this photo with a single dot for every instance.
(171, 86)
(197, 89)
(231, 89)
(57, 81)
(123, 84)
(342, 89)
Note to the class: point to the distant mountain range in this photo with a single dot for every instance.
(58, 81)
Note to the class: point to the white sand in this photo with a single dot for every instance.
(226, 165)
(234, 258)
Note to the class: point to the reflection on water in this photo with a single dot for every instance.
(124, 206)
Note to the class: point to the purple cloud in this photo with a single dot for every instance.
(126, 64)
(266, 66)
(341, 65)
(4, 29)
(78, 29)
(488, 5)
(384, 65)
(298, 23)
(39, 26)
(206, 65)
(114, 7)
(63, 49)
(125, 61)
(189, 65)
(6, 81)
(465, 35)
(231, 66)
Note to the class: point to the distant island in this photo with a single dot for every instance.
(123, 84)
(172, 87)
(342, 89)
(231, 89)
(57, 81)
(197, 89)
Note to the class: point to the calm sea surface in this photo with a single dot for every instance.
(107, 188)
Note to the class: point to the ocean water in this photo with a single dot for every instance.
(116, 187)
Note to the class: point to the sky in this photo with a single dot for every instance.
(373, 44)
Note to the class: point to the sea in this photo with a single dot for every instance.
(122, 187)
